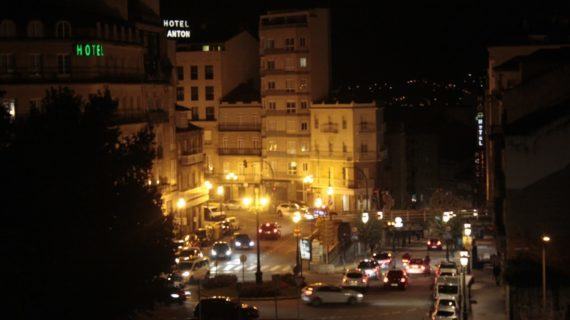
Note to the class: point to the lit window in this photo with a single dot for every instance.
(272, 145)
(272, 105)
(292, 168)
(302, 42)
(289, 43)
(205, 48)
(303, 62)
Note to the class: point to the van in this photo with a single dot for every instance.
(447, 287)
(212, 213)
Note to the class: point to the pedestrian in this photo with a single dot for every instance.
(497, 273)
(427, 261)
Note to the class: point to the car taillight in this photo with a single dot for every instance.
(429, 243)
(439, 243)
(403, 280)
(260, 231)
(423, 267)
(364, 280)
(274, 230)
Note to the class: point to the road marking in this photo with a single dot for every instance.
(228, 268)
(275, 268)
(251, 268)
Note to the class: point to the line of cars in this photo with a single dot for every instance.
(446, 292)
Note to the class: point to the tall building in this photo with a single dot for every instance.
(208, 67)
(295, 62)
(344, 155)
(92, 46)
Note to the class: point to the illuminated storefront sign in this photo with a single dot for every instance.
(177, 28)
(89, 50)
(479, 119)
(306, 252)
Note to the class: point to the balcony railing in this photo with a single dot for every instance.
(239, 151)
(234, 126)
(281, 112)
(265, 72)
(283, 50)
(329, 127)
(191, 159)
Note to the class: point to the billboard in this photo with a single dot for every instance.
(305, 249)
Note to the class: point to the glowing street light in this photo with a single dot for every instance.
(181, 203)
(308, 180)
(220, 190)
(318, 203)
(464, 260)
(208, 185)
(296, 217)
(330, 191)
(398, 222)
(545, 241)
(365, 217)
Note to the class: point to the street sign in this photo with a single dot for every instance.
(243, 258)
(306, 249)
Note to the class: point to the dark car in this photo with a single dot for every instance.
(383, 258)
(243, 241)
(221, 250)
(177, 295)
(269, 230)
(219, 307)
(371, 268)
(396, 279)
(434, 244)
(203, 236)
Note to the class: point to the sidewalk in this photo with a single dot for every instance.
(490, 298)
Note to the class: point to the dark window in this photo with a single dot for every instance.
(180, 93)
(195, 115)
(180, 73)
(193, 72)
(209, 72)
(63, 64)
(270, 65)
(304, 105)
(304, 126)
(194, 94)
(210, 113)
(302, 42)
(209, 93)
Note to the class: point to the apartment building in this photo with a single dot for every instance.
(294, 62)
(208, 67)
(91, 47)
(344, 155)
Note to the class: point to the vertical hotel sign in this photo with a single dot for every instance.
(176, 29)
(479, 119)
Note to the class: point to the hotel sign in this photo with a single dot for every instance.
(89, 50)
(177, 29)
(479, 119)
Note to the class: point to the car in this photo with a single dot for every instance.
(383, 258)
(434, 244)
(445, 309)
(213, 213)
(221, 250)
(318, 293)
(188, 253)
(220, 307)
(229, 225)
(303, 207)
(446, 268)
(447, 287)
(286, 209)
(176, 294)
(406, 258)
(243, 241)
(232, 205)
(371, 268)
(355, 279)
(269, 230)
(179, 243)
(396, 278)
(193, 270)
(204, 236)
(416, 265)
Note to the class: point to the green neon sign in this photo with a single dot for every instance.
(89, 50)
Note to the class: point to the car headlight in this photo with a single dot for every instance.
(251, 243)
(238, 244)
(360, 295)
(186, 273)
(187, 292)
(175, 295)
(229, 252)
(214, 253)
(177, 260)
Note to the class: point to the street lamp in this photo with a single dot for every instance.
(208, 185)
(257, 204)
(464, 260)
(297, 233)
(306, 180)
(545, 241)
(318, 203)
(365, 217)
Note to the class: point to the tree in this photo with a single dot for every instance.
(87, 236)
(370, 233)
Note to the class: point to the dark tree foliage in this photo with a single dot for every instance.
(370, 233)
(83, 235)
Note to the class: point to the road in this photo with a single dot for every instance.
(278, 257)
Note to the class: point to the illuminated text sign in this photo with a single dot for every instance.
(89, 50)
(177, 28)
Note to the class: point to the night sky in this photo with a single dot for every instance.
(393, 40)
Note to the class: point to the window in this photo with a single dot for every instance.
(6, 63)
(302, 85)
(271, 105)
(180, 73)
(269, 44)
(305, 166)
(344, 148)
(63, 30)
(240, 143)
(289, 43)
(180, 93)
(291, 147)
(194, 94)
(291, 108)
(209, 93)
(292, 168)
(343, 122)
(303, 62)
(209, 72)
(7, 29)
(304, 105)
(35, 29)
(36, 104)
(271, 85)
(302, 42)
(271, 65)
(330, 147)
(210, 113)
(207, 136)
(316, 123)
(195, 114)
(304, 126)
(272, 145)
(63, 64)
(193, 72)
(289, 85)
(363, 148)
(255, 143)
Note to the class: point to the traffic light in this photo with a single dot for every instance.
(245, 163)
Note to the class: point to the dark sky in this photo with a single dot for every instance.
(392, 39)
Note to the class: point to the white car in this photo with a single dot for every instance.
(445, 310)
(232, 205)
(447, 269)
(287, 209)
(355, 279)
(447, 288)
(188, 253)
(193, 270)
(318, 293)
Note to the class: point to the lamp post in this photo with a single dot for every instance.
(220, 192)
(306, 180)
(256, 204)
(464, 260)
(545, 241)
(468, 243)
(297, 233)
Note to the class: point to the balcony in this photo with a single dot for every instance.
(239, 151)
(366, 127)
(236, 126)
(283, 92)
(188, 159)
(282, 112)
(329, 127)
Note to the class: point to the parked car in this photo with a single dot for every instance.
(383, 258)
(396, 278)
(355, 279)
(445, 309)
(213, 213)
(371, 268)
(446, 268)
(406, 258)
(230, 225)
(269, 230)
(187, 254)
(286, 209)
(221, 250)
(434, 244)
(416, 265)
(318, 293)
(447, 287)
(193, 270)
(243, 241)
(204, 236)
(176, 294)
(219, 307)
(232, 205)
(303, 207)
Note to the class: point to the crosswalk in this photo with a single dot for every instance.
(235, 266)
